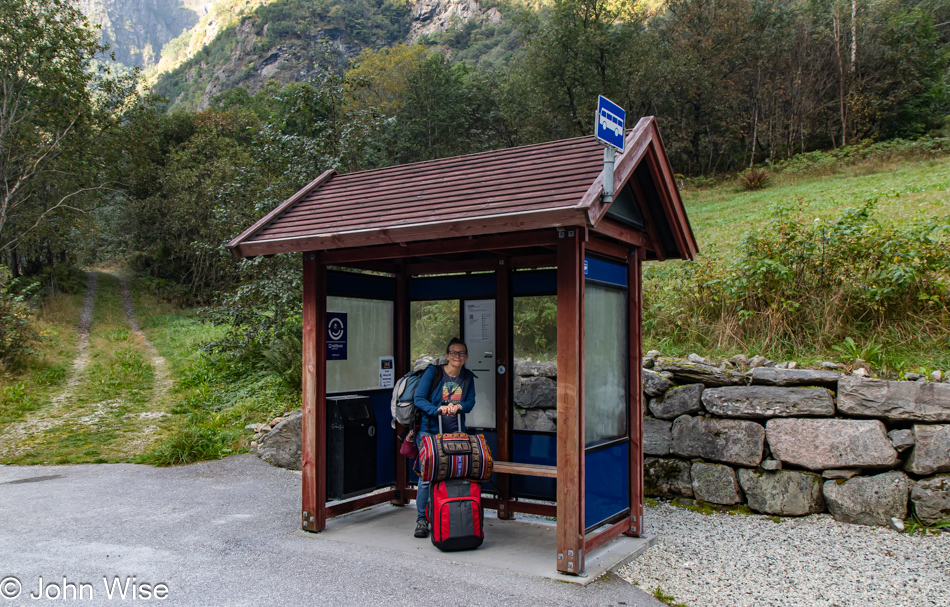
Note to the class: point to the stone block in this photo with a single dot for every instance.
(527, 368)
(666, 477)
(894, 400)
(541, 420)
(731, 441)
(655, 384)
(715, 483)
(784, 492)
(931, 452)
(678, 401)
(535, 393)
(765, 376)
(684, 372)
(822, 444)
(868, 500)
(931, 499)
(901, 439)
(283, 445)
(752, 402)
(657, 436)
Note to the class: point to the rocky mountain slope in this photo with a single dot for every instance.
(192, 50)
(138, 30)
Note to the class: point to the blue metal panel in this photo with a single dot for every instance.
(534, 448)
(385, 441)
(606, 483)
(452, 287)
(604, 271)
(542, 282)
(362, 286)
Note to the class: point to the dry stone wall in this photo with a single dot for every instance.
(783, 441)
(786, 442)
(792, 442)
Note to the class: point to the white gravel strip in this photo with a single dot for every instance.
(723, 560)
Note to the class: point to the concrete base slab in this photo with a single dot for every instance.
(526, 546)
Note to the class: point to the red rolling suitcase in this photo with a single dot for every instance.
(456, 514)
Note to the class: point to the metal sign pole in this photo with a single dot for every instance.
(609, 155)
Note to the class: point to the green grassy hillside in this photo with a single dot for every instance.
(721, 214)
(834, 260)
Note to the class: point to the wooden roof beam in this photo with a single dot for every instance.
(266, 219)
(546, 237)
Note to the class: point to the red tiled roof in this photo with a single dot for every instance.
(544, 185)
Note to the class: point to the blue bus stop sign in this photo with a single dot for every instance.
(610, 123)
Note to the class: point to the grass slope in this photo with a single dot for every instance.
(721, 214)
(106, 412)
(113, 410)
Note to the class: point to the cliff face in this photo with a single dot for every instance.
(436, 16)
(137, 30)
(291, 61)
(192, 50)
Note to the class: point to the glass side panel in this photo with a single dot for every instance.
(433, 324)
(369, 335)
(535, 340)
(605, 363)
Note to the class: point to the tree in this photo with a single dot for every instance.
(587, 48)
(46, 72)
(380, 77)
(441, 114)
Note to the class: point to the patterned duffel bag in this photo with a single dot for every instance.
(446, 456)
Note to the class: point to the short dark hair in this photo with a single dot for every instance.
(452, 342)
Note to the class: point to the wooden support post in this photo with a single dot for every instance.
(570, 401)
(403, 366)
(503, 426)
(635, 398)
(314, 421)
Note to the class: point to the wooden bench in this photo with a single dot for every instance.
(525, 469)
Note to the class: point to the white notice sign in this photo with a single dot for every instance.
(387, 372)
(479, 325)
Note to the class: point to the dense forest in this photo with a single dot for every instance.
(93, 168)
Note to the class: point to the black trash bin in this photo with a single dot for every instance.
(351, 446)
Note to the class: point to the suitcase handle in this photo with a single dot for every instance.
(461, 424)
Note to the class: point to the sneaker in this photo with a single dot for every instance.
(422, 529)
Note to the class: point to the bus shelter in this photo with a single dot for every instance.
(484, 230)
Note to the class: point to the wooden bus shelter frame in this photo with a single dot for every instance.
(500, 240)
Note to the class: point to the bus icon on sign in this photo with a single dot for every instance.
(610, 123)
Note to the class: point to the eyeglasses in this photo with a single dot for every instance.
(459, 354)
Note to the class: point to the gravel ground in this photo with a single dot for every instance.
(723, 560)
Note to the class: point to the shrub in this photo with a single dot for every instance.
(807, 284)
(16, 330)
(284, 358)
(191, 444)
(755, 179)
